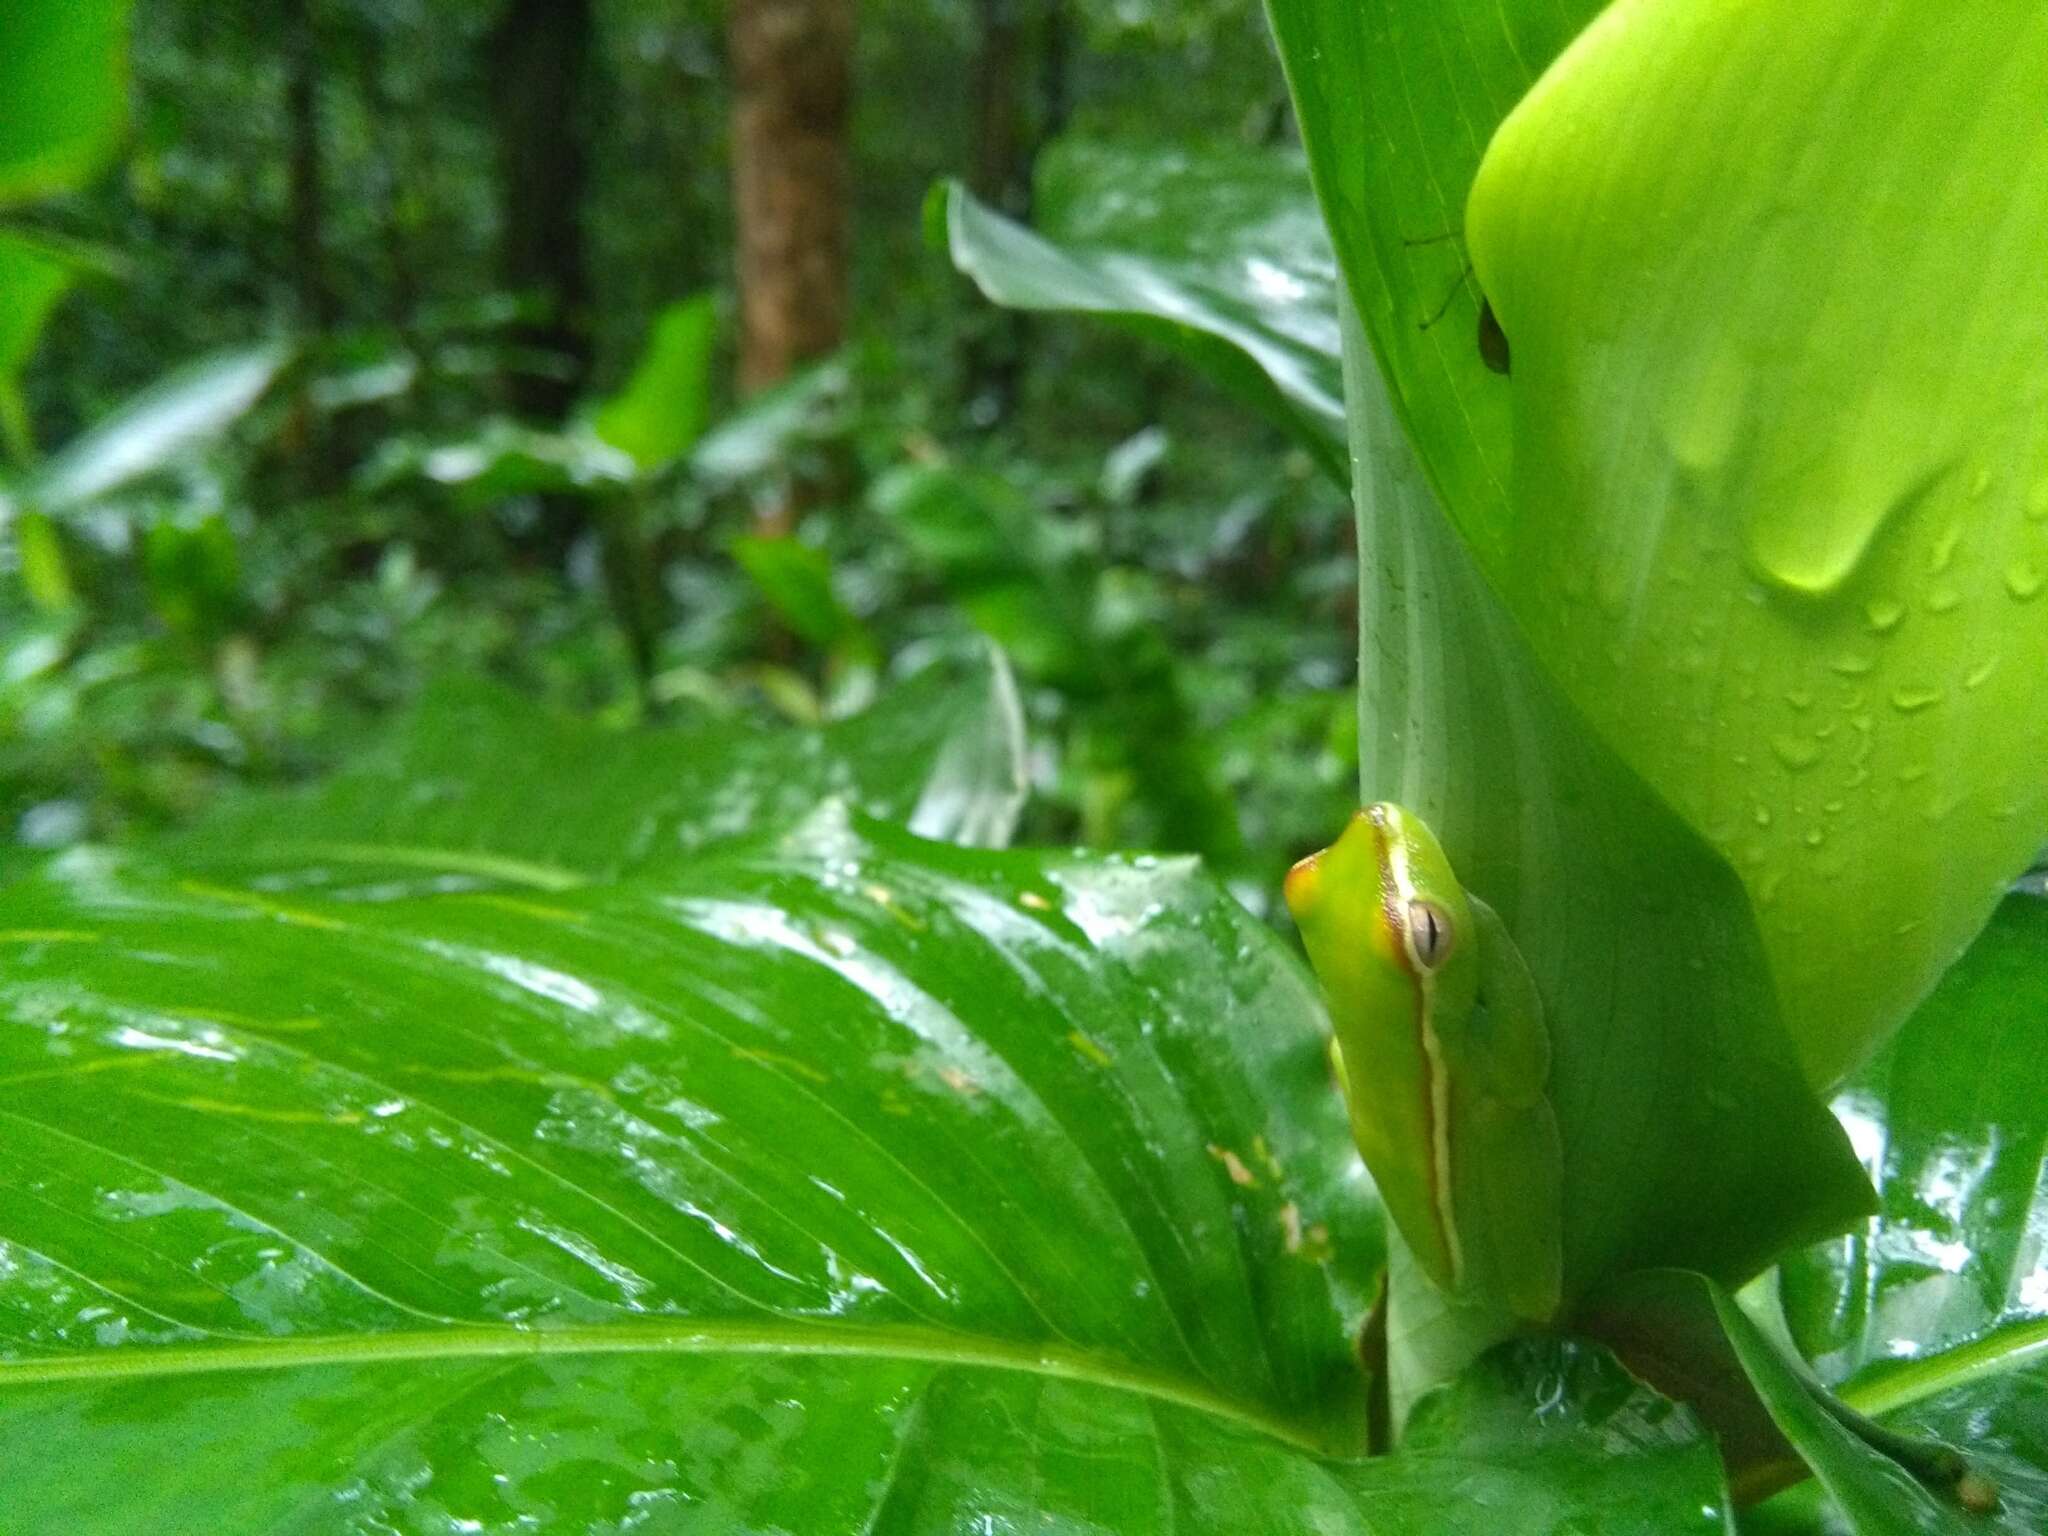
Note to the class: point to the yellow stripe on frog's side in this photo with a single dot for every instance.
(1399, 890)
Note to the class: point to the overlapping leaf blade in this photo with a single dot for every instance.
(1953, 1121)
(1778, 468)
(1396, 100)
(1217, 253)
(1935, 1313)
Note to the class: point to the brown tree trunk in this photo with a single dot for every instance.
(540, 64)
(792, 64)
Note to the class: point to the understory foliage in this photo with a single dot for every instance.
(713, 965)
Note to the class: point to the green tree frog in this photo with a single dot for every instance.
(1443, 1057)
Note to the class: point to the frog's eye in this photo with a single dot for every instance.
(1430, 935)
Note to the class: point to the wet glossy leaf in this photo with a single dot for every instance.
(1953, 1120)
(1877, 1496)
(1677, 1136)
(476, 787)
(1870, 1493)
(1219, 254)
(894, 1116)
(1935, 1314)
(840, 1181)
(1780, 485)
(177, 415)
(1542, 1466)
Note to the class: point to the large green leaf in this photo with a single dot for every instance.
(835, 1181)
(890, 1115)
(1780, 473)
(1218, 253)
(1598, 1453)
(1934, 1314)
(63, 92)
(478, 787)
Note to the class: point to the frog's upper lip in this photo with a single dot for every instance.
(1299, 889)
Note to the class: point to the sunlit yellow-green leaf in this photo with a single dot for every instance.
(1781, 454)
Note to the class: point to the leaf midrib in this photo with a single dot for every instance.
(465, 861)
(2010, 1348)
(896, 1343)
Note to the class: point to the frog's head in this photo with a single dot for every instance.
(1382, 895)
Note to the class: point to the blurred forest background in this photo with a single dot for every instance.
(600, 347)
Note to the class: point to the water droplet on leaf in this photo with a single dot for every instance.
(2037, 501)
(1942, 553)
(1910, 701)
(1811, 543)
(1796, 752)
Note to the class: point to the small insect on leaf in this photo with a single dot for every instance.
(1493, 341)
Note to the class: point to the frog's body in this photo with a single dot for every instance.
(1444, 1059)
